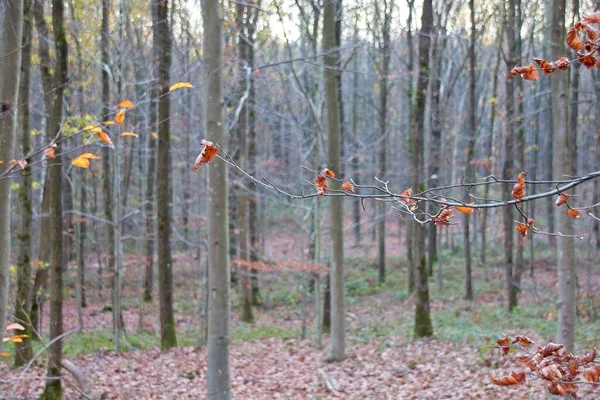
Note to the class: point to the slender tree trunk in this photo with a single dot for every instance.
(151, 172)
(355, 158)
(23, 350)
(563, 161)
(219, 381)
(53, 389)
(410, 143)
(469, 170)
(11, 27)
(163, 182)
(337, 343)
(423, 326)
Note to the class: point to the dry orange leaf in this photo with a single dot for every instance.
(329, 173)
(515, 378)
(180, 85)
(83, 161)
(528, 72)
(522, 228)
(120, 117)
(125, 104)
(562, 199)
(573, 39)
(105, 138)
(443, 217)
(573, 213)
(522, 340)
(465, 209)
(4, 354)
(321, 184)
(49, 152)
(593, 18)
(518, 191)
(132, 134)
(348, 187)
(208, 153)
(404, 197)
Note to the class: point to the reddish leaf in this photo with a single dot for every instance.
(523, 341)
(405, 197)
(592, 33)
(550, 372)
(590, 374)
(562, 199)
(348, 187)
(515, 378)
(593, 18)
(573, 39)
(550, 349)
(329, 173)
(208, 153)
(556, 389)
(589, 357)
(573, 213)
(443, 217)
(19, 163)
(546, 67)
(518, 191)
(321, 184)
(522, 228)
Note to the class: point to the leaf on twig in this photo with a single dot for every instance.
(208, 153)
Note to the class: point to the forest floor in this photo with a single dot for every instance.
(270, 360)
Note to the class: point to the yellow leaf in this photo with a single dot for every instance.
(129, 134)
(105, 138)
(93, 128)
(125, 104)
(15, 326)
(120, 117)
(83, 161)
(180, 85)
(3, 354)
(12, 339)
(108, 123)
(154, 135)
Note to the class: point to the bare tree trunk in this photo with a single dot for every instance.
(23, 350)
(337, 342)
(471, 137)
(410, 140)
(219, 381)
(423, 326)
(355, 158)
(562, 165)
(11, 27)
(53, 389)
(164, 194)
(508, 169)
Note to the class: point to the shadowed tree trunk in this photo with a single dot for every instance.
(337, 343)
(423, 326)
(53, 389)
(410, 143)
(164, 194)
(11, 26)
(23, 350)
(562, 165)
(218, 374)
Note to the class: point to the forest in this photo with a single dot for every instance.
(299, 199)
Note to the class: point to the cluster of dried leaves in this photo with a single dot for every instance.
(563, 371)
(585, 49)
(15, 337)
(321, 182)
(279, 266)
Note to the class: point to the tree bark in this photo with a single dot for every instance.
(23, 350)
(423, 326)
(53, 389)
(337, 342)
(218, 374)
(11, 29)
(164, 194)
(562, 165)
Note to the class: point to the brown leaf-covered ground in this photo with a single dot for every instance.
(384, 362)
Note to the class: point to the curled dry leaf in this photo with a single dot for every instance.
(573, 213)
(49, 152)
(405, 197)
(523, 341)
(329, 173)
(591, 32)
(110, 122)
(515, 378)
(465, 209)
(588, 60)
(103, 136)
(589, 357)
(593, 18)
(321, 184)
(22, 164)
(551, 349)
(562, 199)
(556, 389)
(125, 104)
(131, 134)
(590, 374)
(443, 217)
(528, 72)
(208, 153)
(348, 187)
(518, 191)
(550, 372)
(120, 117)
(573, 39)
